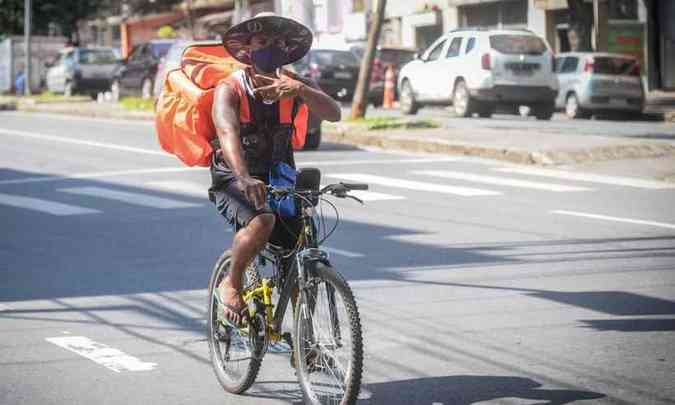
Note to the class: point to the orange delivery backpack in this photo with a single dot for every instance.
(183, 110)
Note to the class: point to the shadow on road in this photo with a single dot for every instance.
(471, 389)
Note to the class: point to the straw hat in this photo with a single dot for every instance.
(297, 38)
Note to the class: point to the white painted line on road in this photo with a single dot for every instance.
(49, 207)
(144, 200)
(4, 308)
(341, 252)
(499, 180)
(413, 185)
(104, 355)
(94, 175)
(372, 195)
(616, 219)
(54, 138)
(374, 161)
(593, 178)
(181, 187)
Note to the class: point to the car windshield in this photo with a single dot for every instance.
(517, 44)
(97, 56)
(332, 58)
(160, 49)
(396, 57)
(605, 65)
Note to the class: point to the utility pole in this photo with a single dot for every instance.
(360, 102)
(27, 49)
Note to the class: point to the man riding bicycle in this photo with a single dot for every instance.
(252, 113)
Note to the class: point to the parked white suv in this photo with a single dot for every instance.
(480, 71)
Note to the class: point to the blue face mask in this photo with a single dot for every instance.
(269, 59)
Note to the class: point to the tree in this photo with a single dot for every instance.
(11, 17)
(360, 102)
(581, 25)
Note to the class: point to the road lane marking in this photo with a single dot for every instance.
(372, 195)
(446, 174)
(341, 252)
(413, 185)
(593, 178)
(49, 207)
(54, 138)
(144, 200)
(616, 219)
(181, 187)
(3, 308)
(94, 175)
(104, 355)
(374, 161)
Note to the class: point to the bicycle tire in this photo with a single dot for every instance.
(314, 368)
(230, 383)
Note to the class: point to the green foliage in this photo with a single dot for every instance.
(138, 104)
(166, 32)
(386, 123)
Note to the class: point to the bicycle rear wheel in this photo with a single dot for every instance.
(328, 342)
(235, 356)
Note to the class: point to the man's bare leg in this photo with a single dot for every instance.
(248, 242)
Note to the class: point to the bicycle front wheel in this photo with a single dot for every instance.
(328, 342)
(235, 356)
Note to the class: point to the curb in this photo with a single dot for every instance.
(112, 113)
(352, 136)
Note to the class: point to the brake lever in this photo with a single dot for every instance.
(358, 200)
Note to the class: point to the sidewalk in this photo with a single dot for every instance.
(661, 102)
(611, 155)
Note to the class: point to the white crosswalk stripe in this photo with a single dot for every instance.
(587, 177)
(373, 195)
(46, 206)
(413, 185)
(144, 200)
(340, 252)
(615, 219)
(111, 358)
(181, 187)
(501, 181)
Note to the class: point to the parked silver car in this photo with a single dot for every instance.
(82, 70)
(598, 83)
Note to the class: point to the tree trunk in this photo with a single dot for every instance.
(360, 102)
(581, 26)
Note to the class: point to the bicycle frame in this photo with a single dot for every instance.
(295, 279)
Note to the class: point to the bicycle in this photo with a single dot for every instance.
(326, 343)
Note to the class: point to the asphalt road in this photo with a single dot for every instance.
(478, 282)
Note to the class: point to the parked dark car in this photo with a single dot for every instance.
(136, 74)
(385, 56)
(81, 70)
(335, 71)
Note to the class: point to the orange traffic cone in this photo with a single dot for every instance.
(388, 97)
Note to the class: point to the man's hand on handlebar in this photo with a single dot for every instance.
(254, 190)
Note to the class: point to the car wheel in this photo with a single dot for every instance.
(313, 140)
(146, 89)
(68, 89)
(544, 111)
(407, 102)
(573, 109)
(115, 90)
(462, 103)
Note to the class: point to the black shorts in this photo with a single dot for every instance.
(238, 211)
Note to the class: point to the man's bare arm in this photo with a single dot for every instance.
(288, 84)
(225, 114)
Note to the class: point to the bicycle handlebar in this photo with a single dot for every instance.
(339, 190)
